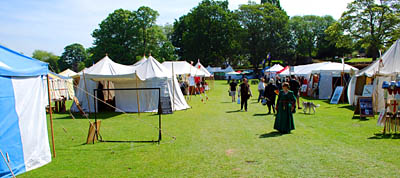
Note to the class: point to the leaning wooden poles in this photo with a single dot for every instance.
(51, 116)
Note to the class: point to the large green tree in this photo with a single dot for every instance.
(74, 56)
(127, 35)
(48, 57)
(309, 37)
(208, 32)
(373, 24)
(266, 31)
(276, 3)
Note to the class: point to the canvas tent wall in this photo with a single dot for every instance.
(60, 87)
(23, 126)
(147, 73)
(386, 70)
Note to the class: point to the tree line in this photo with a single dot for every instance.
(251, 36)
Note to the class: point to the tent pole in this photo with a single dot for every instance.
(137, 95)
(87, 96)
(51, 116)
(173, 87)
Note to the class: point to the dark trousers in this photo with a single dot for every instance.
(269, 107)
(243, 102)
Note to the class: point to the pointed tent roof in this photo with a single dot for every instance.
(107, 67)
(203, 69)
(229, 69)
(274, 68)
(390, 61)
(13, 63)
(150, 68)
(67, 73)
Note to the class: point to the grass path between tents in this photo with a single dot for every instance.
(215, 140)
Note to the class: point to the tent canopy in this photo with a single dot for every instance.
(308, 69)
(275, 68)
(183, 68)
(390, 63)
(68, 73)
(16, 64)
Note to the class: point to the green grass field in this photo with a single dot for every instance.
(360, 60)
(215, 140)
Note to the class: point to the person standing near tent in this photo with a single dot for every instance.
(232, 90)
(261, 88)
(270, 93)
(285, 106)
(278, 83)
(244, 94)
(294, 87)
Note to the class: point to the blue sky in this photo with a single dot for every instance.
(51, 25)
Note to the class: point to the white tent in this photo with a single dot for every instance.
(183, 68)
(275, 68)
(203, 69)
(327, 71)
(387, 70)
(147, 73)
(67, 73)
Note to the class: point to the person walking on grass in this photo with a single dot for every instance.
(295, 87)
(285, 106)
(270, 93)
(244, 94)
(232, 89)
(261, 88)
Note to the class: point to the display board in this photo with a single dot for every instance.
(303, 88)
(336, 95)
(364, 107)
(166, 106)
(368, 89)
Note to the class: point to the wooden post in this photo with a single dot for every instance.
(137, 95)
(87, 96)
(173, 87)
(51, 117)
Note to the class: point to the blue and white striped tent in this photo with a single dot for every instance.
(23, 128)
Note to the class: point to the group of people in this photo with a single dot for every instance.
(284, 106)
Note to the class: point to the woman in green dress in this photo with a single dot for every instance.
(285, 106)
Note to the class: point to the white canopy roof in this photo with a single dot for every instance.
(308, 69)
(183, 68)
(333, 67)
(274, 68)
(214, 69)
(390, 61)
(203, 69)
(68, 73)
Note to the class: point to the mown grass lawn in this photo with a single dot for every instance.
(215, 140)
(360, 60)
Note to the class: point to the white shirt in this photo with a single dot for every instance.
(261, 86)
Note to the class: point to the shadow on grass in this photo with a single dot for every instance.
(385, 136)
(349, 107)
(271, 134)
(263, 114)
(228, 102)
(360, 118)
(233, 111)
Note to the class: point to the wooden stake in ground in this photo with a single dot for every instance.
(51, 117)
(8, 165)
